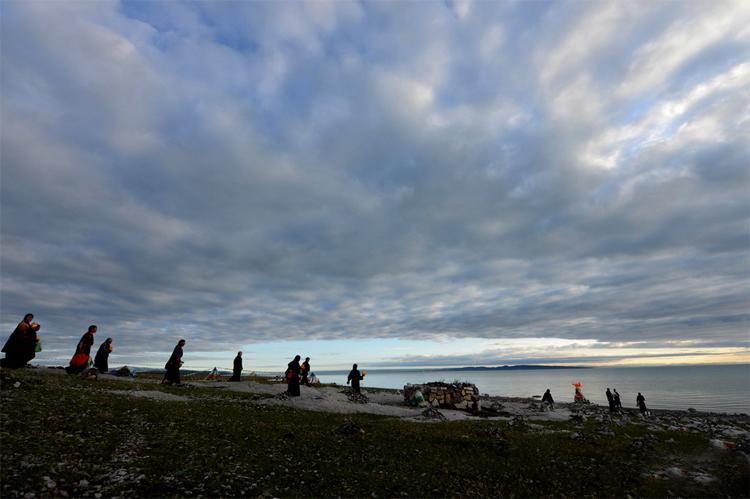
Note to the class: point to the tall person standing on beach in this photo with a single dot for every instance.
(172, 376)
(237, 368)
(355, 377)
(610, 400)
(640, 401)
(81, 358)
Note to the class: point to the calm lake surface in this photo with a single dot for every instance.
(724, 388)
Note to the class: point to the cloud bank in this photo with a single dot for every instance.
(250, 172)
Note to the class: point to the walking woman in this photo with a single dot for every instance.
(101, 361)
(81, 358)
(172, 376)
(20, 347)
(292, 377)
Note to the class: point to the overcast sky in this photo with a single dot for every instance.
(416, 183)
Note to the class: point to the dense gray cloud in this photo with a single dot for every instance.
(242, 172)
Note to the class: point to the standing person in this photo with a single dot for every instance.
(610, 400)
(547, 399)
(640, 401)
(292, 377)
(81, 358)
(21, 344)
(172, 376)
(617, 402)
(237, 372)
(305, 372)
(101, 361)
(355, 377)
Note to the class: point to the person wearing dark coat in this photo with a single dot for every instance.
(172, 374)
(355, 377)
(610, 400)
(101, 361)
(81, 358)
(640, 401)
(237, 371)
(305, 372)
(547, 399)
(292, 377)
(21, 344)
(616, 400)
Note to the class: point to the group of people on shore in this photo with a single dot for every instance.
(298, 374)
(613, 399)
(24, 343)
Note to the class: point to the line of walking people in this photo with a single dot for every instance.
(24, 343)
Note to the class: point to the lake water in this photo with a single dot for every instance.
(724, 388)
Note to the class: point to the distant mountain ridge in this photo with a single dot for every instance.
(519, 367)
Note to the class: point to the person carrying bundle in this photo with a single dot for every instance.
(21, 345)
(355, 377)
(101, 361)
(81, 358)
(292, 377)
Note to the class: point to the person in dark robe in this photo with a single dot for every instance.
(172, 374)
(237, 371)
(305, 372)
(80, 360)
(20, 347)
(355, 377)
(547, 399)
(616, 400)
(610, 400)
(101, 360)
(292, 377)
(640, 401)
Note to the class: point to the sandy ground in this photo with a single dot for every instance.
(384, 403)
(331, 399)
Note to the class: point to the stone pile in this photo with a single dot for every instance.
(350, 429)
(357, 398)
(464, 396)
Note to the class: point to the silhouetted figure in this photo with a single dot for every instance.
(617, 402)
(610, 400)
(292, 377)
(354, 377)
(172, 374)
(80, 360)
(305, 372)
(640, 401)
(547, 399)
(237, 371)
(21, 344)
(101, 361)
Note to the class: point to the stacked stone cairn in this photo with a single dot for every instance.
(463, 396)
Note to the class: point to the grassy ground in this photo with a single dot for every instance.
(64, 436)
